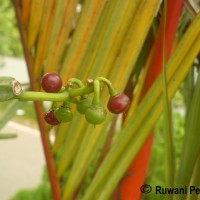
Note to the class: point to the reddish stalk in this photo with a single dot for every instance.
(38, 108)
(130, 185)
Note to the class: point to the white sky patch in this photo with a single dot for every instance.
(20, 112)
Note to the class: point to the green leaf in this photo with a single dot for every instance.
(168, 132)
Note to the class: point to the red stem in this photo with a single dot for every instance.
(38, 108)
(130, 185)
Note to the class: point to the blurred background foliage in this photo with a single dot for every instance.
(9, 34)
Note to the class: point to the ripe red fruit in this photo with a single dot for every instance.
(118, 103)
(51, 82)
(50, 118)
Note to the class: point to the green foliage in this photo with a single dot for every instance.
(156, 172)
(9, 35)
(41, 192)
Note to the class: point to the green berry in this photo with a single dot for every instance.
(63, 114)
(95, 115)
(83, 104)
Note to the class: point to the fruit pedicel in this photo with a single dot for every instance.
(74, 92)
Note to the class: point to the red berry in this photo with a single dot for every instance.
(118, 103)
(50, 118)
(51, 82)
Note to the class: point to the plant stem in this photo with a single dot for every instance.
(81, 91)
(111, 90)
(42, 96)
(55, 97)
(76, 81)
(96, 97)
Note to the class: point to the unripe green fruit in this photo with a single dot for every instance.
(83, 105)
(95, 115)
(63, 114)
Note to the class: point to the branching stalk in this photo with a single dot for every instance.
(55, 97)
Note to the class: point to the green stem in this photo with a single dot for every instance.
(81, 91)
(112, 91)
(55, 97)
(42, 96)
(76, 81)
(96, 98)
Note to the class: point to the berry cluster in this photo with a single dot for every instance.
(91, 108)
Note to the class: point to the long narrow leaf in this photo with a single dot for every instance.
(34, 21)
(191, 146)
(58, 40)
(90, 15)
(133, 42)
(168, 133)
(44, 32)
